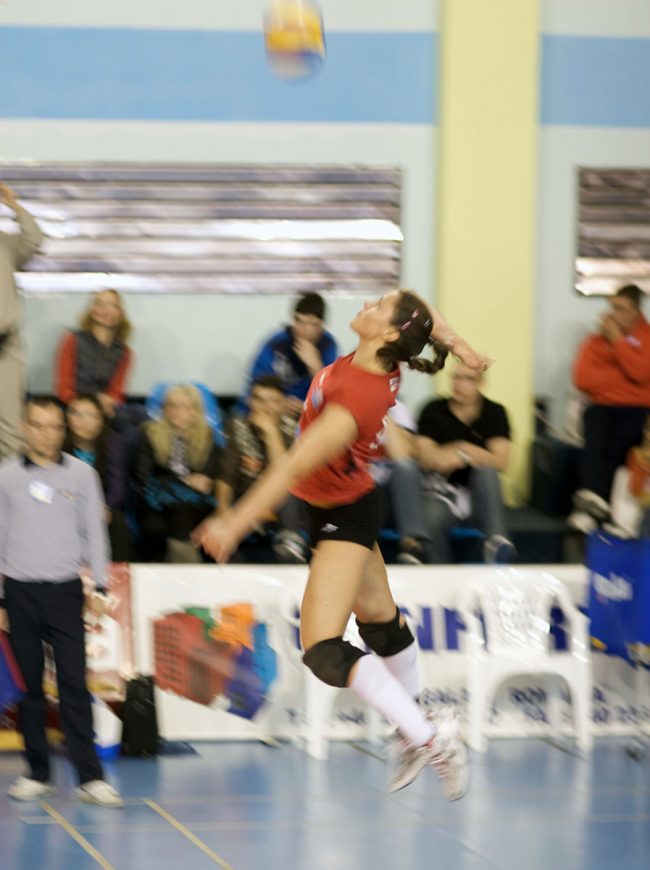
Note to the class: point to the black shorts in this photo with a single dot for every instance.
(358, 522)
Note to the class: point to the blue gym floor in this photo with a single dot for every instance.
(531, 806)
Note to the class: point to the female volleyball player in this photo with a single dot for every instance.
(342, 420)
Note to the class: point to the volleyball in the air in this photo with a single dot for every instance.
(295, 43)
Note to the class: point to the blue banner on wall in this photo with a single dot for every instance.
(619, 596)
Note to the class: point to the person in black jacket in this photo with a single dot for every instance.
(175, 471)
(295, 353)
(90, 439)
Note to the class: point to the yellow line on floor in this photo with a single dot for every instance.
(180, 827)
(76, 836)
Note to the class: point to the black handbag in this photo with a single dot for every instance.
(139, 719)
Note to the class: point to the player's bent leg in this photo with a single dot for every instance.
(393, 641)
(386, 639)
(332, 660)
(335, 575)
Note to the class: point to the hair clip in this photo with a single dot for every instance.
(410, 321)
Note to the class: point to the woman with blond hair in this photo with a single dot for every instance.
(175, 473)
(96, 359)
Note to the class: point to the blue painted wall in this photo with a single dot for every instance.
(191, 75)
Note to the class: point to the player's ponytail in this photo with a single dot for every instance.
(430, 366)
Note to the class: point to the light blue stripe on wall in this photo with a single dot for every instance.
(594, 81)
(114, 74)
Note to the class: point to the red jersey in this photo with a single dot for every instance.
(367, 396)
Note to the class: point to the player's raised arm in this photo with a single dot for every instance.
(443, 333)
(329, 435)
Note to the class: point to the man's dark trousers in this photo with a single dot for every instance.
(609, 432)
(52, 612)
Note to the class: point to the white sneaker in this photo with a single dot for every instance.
(411, 553)
(445, 752)
(591, 503)
(451, 758)
(617, 531)
(99, 792)
(410, 761)
(499, 550)
(25, 789)
(582, 522)
(290, 549)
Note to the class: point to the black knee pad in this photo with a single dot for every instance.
(386, 638)
(332, 660)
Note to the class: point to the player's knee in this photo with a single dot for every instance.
(386, 638)
(332, 660)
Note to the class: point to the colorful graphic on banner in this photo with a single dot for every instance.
(222, 654)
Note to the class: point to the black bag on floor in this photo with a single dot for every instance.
(139, 720)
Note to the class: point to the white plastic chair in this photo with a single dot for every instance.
(318, 698)
(516, 611)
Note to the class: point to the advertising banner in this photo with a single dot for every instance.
(428, 596)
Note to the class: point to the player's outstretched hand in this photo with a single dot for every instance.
(469, 357)
(216, 538)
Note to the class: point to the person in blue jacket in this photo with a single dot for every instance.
(297, 352)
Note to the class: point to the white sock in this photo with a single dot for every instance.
(373, 682)
(404, 666)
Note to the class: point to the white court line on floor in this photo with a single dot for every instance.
(70, 829)
(180, 827)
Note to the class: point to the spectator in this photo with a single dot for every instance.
(296, 353)
(89, 439)
(52, 525)
(174, 473)
(403, 485)
(613, 368)
(397, 476)
(15, 250)
(638, 463)
(463, 443)
(253, 442)
(395, 444)
(96, 358)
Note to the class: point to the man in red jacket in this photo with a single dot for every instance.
(613, 369)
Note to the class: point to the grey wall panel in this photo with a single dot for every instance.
(613, 230)
(174, 228)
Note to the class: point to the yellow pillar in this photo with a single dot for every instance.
(486, 208)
